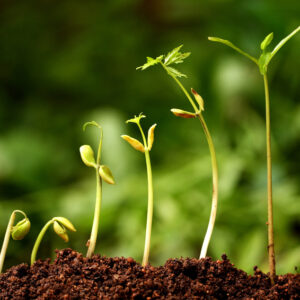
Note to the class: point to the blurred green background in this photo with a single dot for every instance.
(63, 63)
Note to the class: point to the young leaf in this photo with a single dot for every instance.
(183, 114)
(151, 136)
(175, 57)
(60, 231)
(106, 174)
(134, 143)
(150, 62)
(87, 156)
(199, 99)
(231, 45)
(264, 61)
(136, 119)
(175, 72)
(266, 42)
(66, 223)
(20, 230)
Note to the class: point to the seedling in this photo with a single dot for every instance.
(176, 57)
(17, 232)
(60, 226)
(145, 148)
(102, 172)
(263, 62)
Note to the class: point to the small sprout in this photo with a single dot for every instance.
(183, 114)
(262, 63)
(106, 174)
(87, 156)
(145, 149)
(59, 226)
(61, 231)
(137, 145)
(151, 136)
(102, 172)
(199, 100)
(266, 42)
(176, 57)
(65, 222)
(18, 232)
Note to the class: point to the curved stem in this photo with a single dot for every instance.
(7, 236)
(38, 241)
(95, 227)
(269, 176)
(214, 168)
(213, 212)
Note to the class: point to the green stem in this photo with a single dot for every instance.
(7, 236)
(38, 241)
(150, 200)
(95, 227)
(269, 176)
(182, 88)
(214, 206)
(214, 169)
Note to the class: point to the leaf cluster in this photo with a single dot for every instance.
(173, 57)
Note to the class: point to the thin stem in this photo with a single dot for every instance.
(150, 200)
(6, 239)
(214, 170)
(282, 42)
(149, 210)
(7, 236)
(231, 45)
(38, 241)
(95, 227)
(269, 175)
(213, 212)
(182, 88)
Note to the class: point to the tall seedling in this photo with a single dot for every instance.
(102, 172)
(145, 148)
(176, 57)
(263, 62)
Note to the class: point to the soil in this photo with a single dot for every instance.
(72, 276)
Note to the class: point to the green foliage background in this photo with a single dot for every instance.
(63, 63)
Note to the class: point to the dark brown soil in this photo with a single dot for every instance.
(72, 276)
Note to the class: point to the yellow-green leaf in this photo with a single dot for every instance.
(20, 230)
(151, 136)
(60, 231)
(134, 143)
(87, 155)
(64, 221)
(182, 113)
(199, 99)
(106, 174)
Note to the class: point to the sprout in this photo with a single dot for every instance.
(262, 62)
(60, 226)
(176, 57)
(102, 172)
(17, 232)
(146, 148)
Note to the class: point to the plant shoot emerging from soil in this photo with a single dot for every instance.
(176, 57)
(60, 226)
(102, 172)
(262, 62)
(17, 232)
(145, 148)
